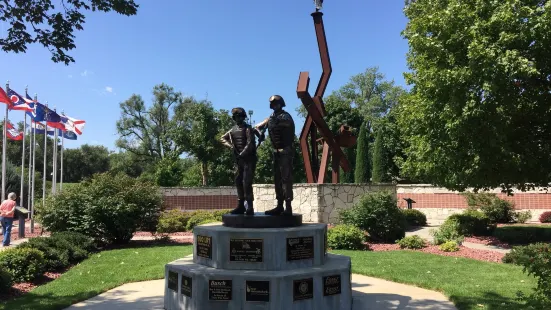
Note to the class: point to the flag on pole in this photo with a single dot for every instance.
(37, 128)
(73, 124)
(12, 133)
(4, 97)
(69, 135)
(19, 103)
(42, 113)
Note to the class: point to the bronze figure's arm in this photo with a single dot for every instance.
(226, 139)
(262, 125)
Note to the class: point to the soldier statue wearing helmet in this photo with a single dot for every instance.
(281, 129)
(241, 139)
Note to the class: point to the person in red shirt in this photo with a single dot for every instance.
(7, 211)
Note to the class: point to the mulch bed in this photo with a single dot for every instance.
(482, 255)
(488, 240)
(19, 289)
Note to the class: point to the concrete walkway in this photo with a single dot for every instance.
(369, 294)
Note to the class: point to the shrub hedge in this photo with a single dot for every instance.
(523, 234)
(415, 217)
(23, 264)
(378, 214)
(345, 237)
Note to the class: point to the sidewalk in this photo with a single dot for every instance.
(368, 294)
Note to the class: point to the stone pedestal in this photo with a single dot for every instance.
(259, 268)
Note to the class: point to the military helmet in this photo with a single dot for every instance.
(276, 99)
(238, 111)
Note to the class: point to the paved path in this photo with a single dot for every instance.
(369, 294)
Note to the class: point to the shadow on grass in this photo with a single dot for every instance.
(380, 301)
(144, 244)
(488, 301)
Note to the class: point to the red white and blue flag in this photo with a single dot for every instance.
(73, 124)
(4, 97)
(12, 133)
(18, 102)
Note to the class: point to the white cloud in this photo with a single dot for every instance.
(109, 89)
(84, 73)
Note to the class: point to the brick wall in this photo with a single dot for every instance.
(427, 196)
(199, 198)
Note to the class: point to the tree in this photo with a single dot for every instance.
(129, 164)
(148, 132)
(83, 162)
(52, 28)
(364, 101)
(362, 173)
(221, 170)
(168, 172)
(379, 172)
(197, 131)
(478, 115)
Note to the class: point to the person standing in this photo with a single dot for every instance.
(7, 212)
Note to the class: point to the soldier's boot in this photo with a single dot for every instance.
(240, 207)
(250, 209)
(277, 210)
(288, 208)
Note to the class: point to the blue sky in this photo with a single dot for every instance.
(238, 53)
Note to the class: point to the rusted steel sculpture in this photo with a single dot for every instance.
(315, 172)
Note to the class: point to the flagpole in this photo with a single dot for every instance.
(54, 161)
(61, 179)
(45, 162)
(34, 168)
(23, 161)
(4, 144)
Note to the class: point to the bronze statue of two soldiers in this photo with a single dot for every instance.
(242, 140)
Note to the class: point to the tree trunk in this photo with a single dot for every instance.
(204, 172)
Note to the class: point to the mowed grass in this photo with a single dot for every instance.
(99, 273)
(469, 284)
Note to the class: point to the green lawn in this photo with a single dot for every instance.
(99, 273)
(468, 283)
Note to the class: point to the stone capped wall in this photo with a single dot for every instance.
(318, 203)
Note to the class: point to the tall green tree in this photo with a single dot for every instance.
(84, 161)
(147, 132)
(129, 164)
(196, 130)
(379, 166)
(52, 25)
(478, 115)
(362, 173)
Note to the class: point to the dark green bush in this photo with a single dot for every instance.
(6, 281)
(449, 231)
(449, 246)
(345, 237)
(472, 223)
(23, 264)
(199, 217)
(77, 239)
(415, 217)
(109, 208)
(536, 261)
(173, 221)
(378, 214)
(496, 209)
(55, 256)
(412, 242)
(523, 234)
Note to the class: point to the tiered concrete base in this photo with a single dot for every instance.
(259, 268)
(197, 287)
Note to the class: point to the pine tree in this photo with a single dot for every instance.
(362, 173)
(378, 159)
